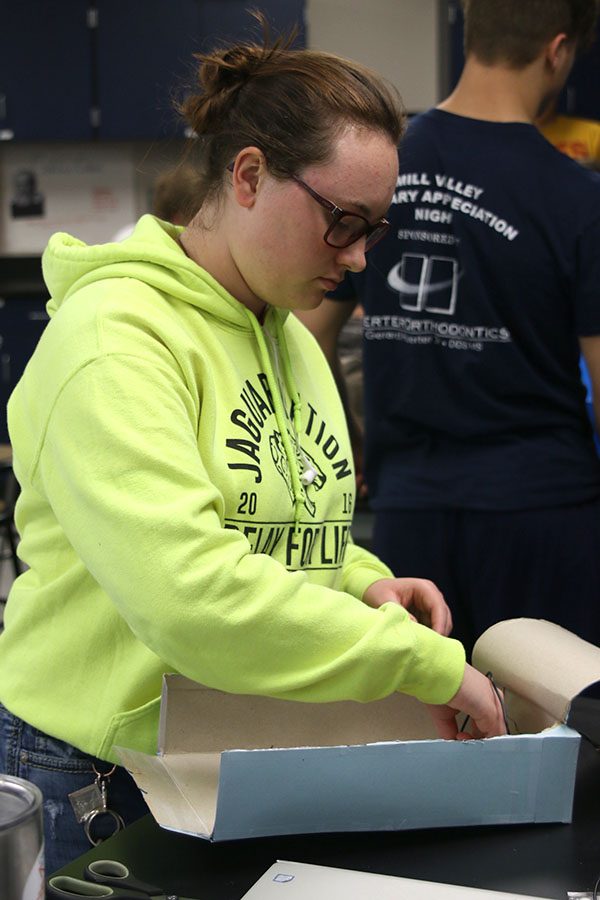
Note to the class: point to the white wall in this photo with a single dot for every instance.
(399, 38)
(91, 188)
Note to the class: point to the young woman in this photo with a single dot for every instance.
(186, 474)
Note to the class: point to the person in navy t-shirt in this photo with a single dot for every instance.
(480, 459)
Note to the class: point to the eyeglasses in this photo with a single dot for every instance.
(346, 227)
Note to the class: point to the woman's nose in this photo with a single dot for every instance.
(353, 257)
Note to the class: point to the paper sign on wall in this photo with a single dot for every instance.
(85, 190)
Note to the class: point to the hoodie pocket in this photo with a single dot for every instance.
(136, 729)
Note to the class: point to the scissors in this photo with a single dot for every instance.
(106, 878)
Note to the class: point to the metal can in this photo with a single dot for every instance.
(21, 840)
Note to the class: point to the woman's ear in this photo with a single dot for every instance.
(248, 171)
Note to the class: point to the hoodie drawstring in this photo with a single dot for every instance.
(279, 387)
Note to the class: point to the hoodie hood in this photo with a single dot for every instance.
(152, 255)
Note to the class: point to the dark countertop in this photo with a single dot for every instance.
(537, 859)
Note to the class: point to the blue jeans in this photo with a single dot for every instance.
(58, 769)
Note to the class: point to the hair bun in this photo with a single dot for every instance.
(231, 68)
(221, 74)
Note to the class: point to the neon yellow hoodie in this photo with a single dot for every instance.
(159, 436)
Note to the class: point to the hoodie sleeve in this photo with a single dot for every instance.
(361, 569)
(123, 474)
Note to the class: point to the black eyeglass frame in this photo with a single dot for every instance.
(372, 231)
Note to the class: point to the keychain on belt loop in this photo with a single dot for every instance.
(92, 801)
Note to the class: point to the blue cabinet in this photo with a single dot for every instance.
(45, 70)
(145, 57)
(144, 53)
(455, 57)
(111, 69)
(23, 318)
(229, 20)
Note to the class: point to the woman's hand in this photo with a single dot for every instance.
(475, 698)
(420, 597)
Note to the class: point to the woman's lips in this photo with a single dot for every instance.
(330, 284)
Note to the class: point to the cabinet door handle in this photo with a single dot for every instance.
(5, 366)
(2, 106)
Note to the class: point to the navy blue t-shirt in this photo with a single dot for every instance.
(473, 306)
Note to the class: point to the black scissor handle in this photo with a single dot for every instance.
(109, 871)
(63, 887)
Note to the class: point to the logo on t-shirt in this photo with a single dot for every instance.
(426, 283)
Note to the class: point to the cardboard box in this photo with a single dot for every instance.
(301, 881)
(236, 766)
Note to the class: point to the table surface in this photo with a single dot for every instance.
(541, 860)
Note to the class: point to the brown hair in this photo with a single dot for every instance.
(178, 194)
(514, 31)
(289, 103)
